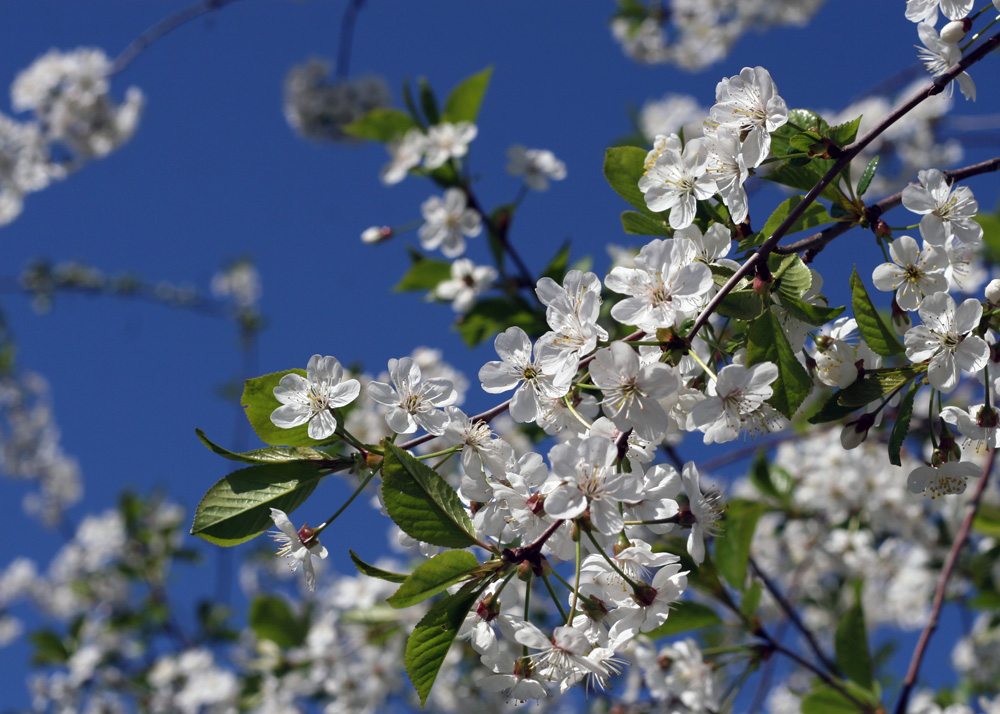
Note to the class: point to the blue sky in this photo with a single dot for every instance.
(214, 172)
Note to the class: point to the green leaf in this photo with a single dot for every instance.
(832, 410)
(270, 455)
(639, 224)
(814, 215)
(259, 402)
(817, 315)
(424, 274)
(804, 141)
(742, 305)
(431, 639)
(767, 343)
(877, 383)
(372, 572)
(49, 649)
(271, 619)
(987, 520)
(851, 646)
(751, 600)
(826, 700)
(866, 176)
(428, 102)
(763, 478)
(685, 616)
(487, 318)
(732, 549)
(437, 574)
(902, 426)
(991, 235)
(880, 338)
(799, 120)
(792, 277)
(465, 99)
(380, 125)
(422, 503)
(804, 178)
(844, 134)
(238, 507)
(557, 267)
(623, 167)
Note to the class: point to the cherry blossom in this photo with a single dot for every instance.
(748, 103)
(944, 339)
(676, 178)
(947, 211)
(413, 403)
(448, 222)
(312, 398)
(299, 546)
(913, 274)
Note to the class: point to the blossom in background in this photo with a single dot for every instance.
(947, 212)
(945, 340)
(913, 274)
(978, 424)
(676, 178)
(670, 115)
(413, 403)
(310, 399)
(702, 511)
(947, 479)
(299, 546)
(927, 10)
(448, 141)
(448, 222)
(405, 152)
(467, 281)
(538, 166)
(240, 281)
(749, 104)
(938, 56)
(318, 108)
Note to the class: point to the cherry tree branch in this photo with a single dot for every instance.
(939, 593)
(347, 37)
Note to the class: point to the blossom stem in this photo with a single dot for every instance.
(576, 585)
(654, 522)
(979, 34)
(708, 370)
(444, 452)
(575, 413)
(555, 598)
(614, 566)
(357, 492)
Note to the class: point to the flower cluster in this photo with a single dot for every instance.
(319, 109)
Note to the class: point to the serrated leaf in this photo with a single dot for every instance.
(431, 639)
(732, 549)
(844, 134)
(880, 338)
(372, 572)
(380, 125)
(902, 426)
(742, 305)
(270, 455)
(271, 619)
(436, 575)
(422, 503)
(623, 167)
(792, 277)
(640, 224)
(866, 176)
(488, 318)
(804, 140)
(685, 616)
(817, 315)
(799, 120)
(428, 103)
(238, 507)
(804, 178)
(851, 646)
(259, 403)
(465, 99)
(424, 274)
(991, 235)
(767, 343)
(814, 215)
(877, 384)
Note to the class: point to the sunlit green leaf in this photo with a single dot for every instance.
(434, 576)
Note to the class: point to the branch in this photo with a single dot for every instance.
(847, 154)
(163, 27)
(347, 37)
(939, 593)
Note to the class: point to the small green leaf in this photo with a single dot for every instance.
(767, 343)
(877, 384)
(422, 503)
(431, 639)
(372, 572)
(685, 615)
(380, 125)
(866, 176)
(557, 267)
(270, 455)
(804, 178)
(814, 215)
(827, 700)
(732, 549)
(488, 318)
(832, 410)
(742, 305)
(271, 619)
(851, 646)
(640, 224)
(424, 274)
(437, 574)
(49, 649)
(623, 167)
(259, 403)
(804, 141)
(763, 479)
(880, 338)
(238, 507)
(844, 134)
(991, 235)
(428, 103)
(902, 426)
(792, 277)
(465, 99)
(799, 120)
(817, 315)
(751, 600)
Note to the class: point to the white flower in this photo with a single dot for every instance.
(749, 105)
(562, 659)
(736, 402)
(300, 546)
(949, 478)
(938, 56)
(927, 10)
(406, 152)
(702, 512)
(312, 399)
(671, 114)
(945, 212)
(413, 403)
(728, 168)
(571, 310)
(977, 424)
(467, 281)
(663, 288)
(538, 166)
(650, 608)
(676, 178)
(549, 374)
(481, 447)
(239, 281)
(318, 107)
(631, 392)
(944, 339)
(993, 291)
(448, 222)
(914, 274)
(446, 141)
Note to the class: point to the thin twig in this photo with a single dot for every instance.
(163, 27)
(347, 37)
(939, 593)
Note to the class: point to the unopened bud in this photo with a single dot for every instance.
(955, 30)
(882, 229)
(855, 432)
(594, 608)
(993, 291)
(376, 234)
(901, 321)
(644, 594)
(525, 572)
(488, 608)
(762, 279)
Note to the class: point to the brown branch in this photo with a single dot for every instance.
(939, 593)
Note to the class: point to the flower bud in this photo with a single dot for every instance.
(376, 234)
(993, 291)
(644, 594)
(855, 432)
(901, 321)
(955, 30)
